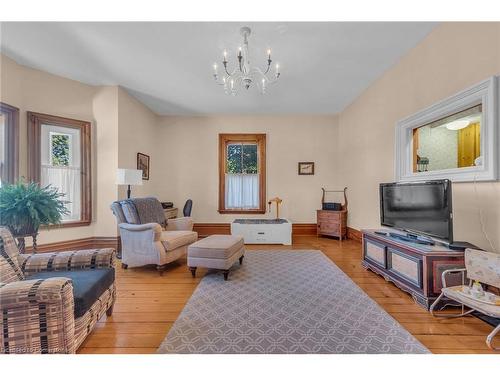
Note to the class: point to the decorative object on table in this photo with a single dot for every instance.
(306, 168)
(129, 177)
(245, 75)
(422, 164)
(54, 299)
(146, 235)
(27, 206)
(413, 268)
(333, 205)
(298, 298)
(263, 231)
(278, 201)
(481, 267)
(218, 251)
(143, 165)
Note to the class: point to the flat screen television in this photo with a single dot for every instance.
(418, 207)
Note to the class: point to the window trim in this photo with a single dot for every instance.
(224, 139)
(35, 122)
(11, 114)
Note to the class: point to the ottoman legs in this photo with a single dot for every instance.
(241, 259)
(226, 274)
(193, 271)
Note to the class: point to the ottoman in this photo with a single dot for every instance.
(218, 252)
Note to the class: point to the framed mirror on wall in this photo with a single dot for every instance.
(456, 138)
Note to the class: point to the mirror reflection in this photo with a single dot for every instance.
(451, 142)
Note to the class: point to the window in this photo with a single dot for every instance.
(9, 143)
(59, 155)
(242, 173)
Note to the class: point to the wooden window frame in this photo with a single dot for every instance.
(12, 137)
(35, 122)
(224, 140)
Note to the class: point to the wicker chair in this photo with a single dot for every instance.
(51, 301)
(480, 266)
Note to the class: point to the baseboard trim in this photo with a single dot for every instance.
(354, 234)
(207, 229)
(203, 230)
(78, 244)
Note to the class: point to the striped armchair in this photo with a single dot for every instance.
(50, 302)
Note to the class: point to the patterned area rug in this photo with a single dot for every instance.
(286, 301)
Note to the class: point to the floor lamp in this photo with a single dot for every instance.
(128, 177)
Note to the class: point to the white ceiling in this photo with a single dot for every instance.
(168, 65)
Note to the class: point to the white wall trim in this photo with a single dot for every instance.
(485, 93)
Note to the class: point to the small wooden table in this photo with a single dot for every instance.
(331, 223)
(170, 213)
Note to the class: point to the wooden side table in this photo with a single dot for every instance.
(170, 213)
(332, 223)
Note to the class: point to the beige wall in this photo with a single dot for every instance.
(37, 91)
(452, 57)
(190, 162)
(138, 133)
(121, 126)
(105, 107)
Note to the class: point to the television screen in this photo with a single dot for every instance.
(420, 207)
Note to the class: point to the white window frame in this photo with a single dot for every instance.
(484, 93)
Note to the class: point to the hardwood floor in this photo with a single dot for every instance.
(148, 304)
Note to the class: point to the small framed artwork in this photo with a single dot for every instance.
(306, 168)
(143, 165)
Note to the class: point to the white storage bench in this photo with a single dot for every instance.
(263, 231)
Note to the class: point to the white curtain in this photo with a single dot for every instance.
(67, 181)
(242, 191)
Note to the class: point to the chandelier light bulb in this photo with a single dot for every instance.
(215, 67)
(269, 51)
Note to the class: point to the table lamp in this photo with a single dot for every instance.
(129, 177)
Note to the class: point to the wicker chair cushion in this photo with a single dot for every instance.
(88, 285)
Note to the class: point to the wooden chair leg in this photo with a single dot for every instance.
(226, 274)
(241, 259)
(193, 271)
(160, 269)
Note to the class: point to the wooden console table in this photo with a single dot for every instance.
(412, 267)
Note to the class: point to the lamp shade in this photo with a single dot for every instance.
(128, 177)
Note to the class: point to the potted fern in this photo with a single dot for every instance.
(24, 207)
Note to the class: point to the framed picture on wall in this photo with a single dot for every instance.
(143, 165)
(306, 168)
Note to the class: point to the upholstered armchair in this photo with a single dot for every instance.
(147, 237)
(52, 301)
(482, 267)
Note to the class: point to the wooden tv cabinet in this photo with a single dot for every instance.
(412, 267)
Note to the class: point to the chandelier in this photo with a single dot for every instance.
(244, 75)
